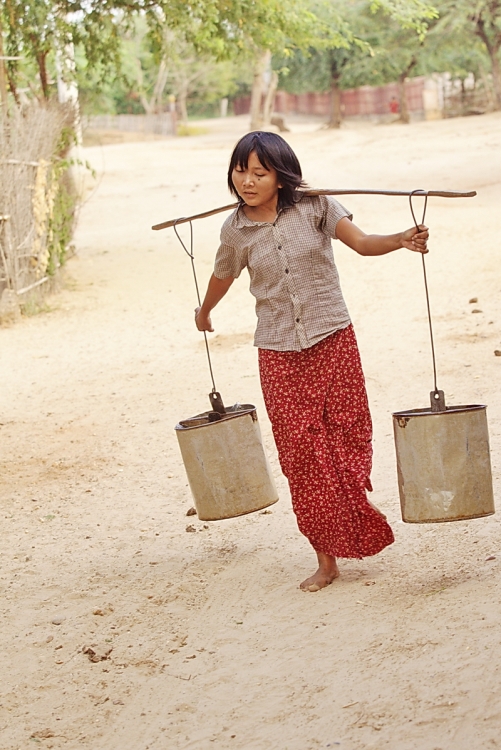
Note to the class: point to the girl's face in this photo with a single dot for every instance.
(256, 185)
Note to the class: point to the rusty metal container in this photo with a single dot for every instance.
(443, 464)
(227, 468)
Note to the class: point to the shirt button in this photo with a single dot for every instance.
(298, 320)
(286, 270)
(280, 247)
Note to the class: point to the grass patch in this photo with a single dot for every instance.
(35, 307)
(186, 130)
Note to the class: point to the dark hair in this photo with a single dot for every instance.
(273, 152)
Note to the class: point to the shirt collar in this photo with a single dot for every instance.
(241, 220)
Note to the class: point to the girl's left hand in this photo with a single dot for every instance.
(416, 239)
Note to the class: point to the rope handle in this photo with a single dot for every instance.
(437, 398)
(214, 396)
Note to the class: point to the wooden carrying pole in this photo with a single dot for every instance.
(322, 191)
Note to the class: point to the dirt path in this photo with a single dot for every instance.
(213, 645)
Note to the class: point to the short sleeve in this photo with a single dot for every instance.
(332, 212)
(230, 259)
(229, 262)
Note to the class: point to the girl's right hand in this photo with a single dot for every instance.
(416, 239)
(203, 322)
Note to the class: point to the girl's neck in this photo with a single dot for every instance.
(266, 214)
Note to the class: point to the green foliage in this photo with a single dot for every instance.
(146, 82)
(476, 24)
(61, 224)
(409, 14)
(375, 49)
(34, 305)
(184, 130)
(35, 29)
(204, 47)
(62, 217)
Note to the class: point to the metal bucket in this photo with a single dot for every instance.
(227, 468)
(443, 464)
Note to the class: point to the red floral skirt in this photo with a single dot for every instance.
(317, 404)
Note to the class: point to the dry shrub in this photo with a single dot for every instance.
(36, 198)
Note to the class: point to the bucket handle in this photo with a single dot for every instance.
(437, 397)
(214, 396)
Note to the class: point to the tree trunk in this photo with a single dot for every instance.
(260, 65)
(182, 107)
(488, 89)
(158, 90)
(335, 115)
(496, 80)
(12, 85)
(402, 100)
(9, 70)
(41, 58)
(492, 46)
(269, 100)
(152, 105)
(3, 75)
(140, 86)
(404, 107)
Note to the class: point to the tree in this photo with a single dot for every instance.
(181, 71)
(257, 29)
(336, 50)
(318, 70)
(34, 29)
(413, 15)
(222, 28)
(380, 42)
(476, 20)
(460, 38)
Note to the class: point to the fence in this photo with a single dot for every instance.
(364, 102)
(159, 124)
(35, 215)
(430, 98)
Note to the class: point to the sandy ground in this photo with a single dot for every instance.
(213, 645)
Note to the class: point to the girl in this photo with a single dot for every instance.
(309, 364)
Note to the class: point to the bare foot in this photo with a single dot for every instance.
(326, 573)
